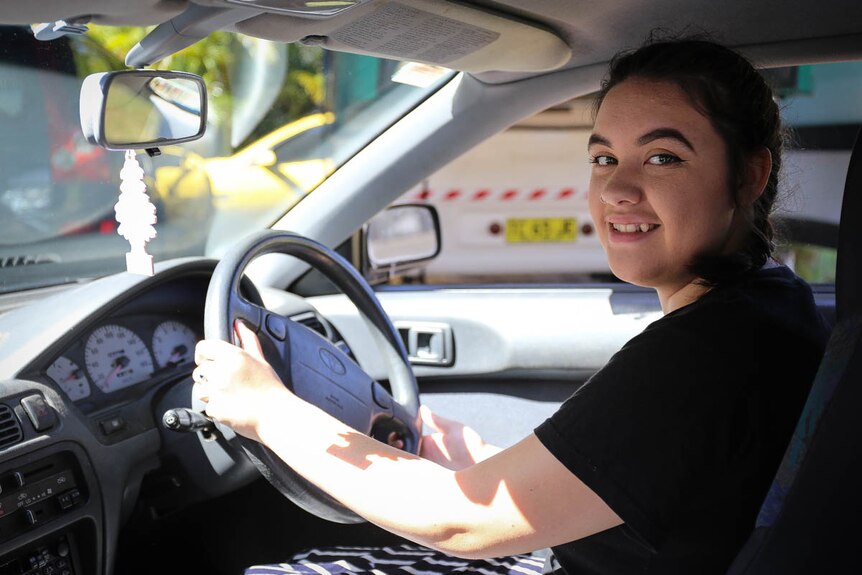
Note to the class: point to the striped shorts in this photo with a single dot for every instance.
(395, 560)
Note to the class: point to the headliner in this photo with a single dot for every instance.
(770, 32)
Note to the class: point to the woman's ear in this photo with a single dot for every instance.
(758, 167)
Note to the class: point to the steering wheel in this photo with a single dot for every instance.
(312, 367)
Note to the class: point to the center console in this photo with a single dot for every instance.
(51, 556)
(44, 526)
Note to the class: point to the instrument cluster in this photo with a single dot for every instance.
(121, 354)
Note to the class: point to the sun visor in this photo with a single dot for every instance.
(437, 32)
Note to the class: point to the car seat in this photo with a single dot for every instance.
(810, 520)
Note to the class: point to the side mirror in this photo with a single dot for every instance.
(399, 238)
(142, 109)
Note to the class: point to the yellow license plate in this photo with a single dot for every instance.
(526, 230)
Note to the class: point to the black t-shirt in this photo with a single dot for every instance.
(682, 431)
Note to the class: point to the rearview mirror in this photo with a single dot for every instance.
(140, 109)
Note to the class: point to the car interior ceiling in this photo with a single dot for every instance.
(567, 35)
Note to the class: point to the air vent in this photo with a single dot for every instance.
(311, 321)
(10, 431)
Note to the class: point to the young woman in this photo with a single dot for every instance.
(658, 464)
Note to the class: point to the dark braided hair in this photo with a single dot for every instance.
(727, 89)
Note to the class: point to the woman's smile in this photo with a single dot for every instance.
(628, 230)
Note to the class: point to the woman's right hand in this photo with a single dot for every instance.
(236, 382)
(453, 444)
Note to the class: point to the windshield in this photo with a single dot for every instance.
(282, 118)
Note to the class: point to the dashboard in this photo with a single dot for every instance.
(87, 374)
(86, 371)
(115, 363)
(113, 366)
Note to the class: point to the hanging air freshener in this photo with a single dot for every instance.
(136, 216)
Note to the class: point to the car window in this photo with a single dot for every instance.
(312, 144)
(821, 104)
(282, 118)
(514, 209)
(51, 180)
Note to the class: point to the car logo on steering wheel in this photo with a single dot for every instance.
(332, 362)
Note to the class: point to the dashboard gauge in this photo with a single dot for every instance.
(70, 377)
(173, 343)
(116, 358)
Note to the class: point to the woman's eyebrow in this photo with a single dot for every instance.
(596, 139)
(652, 135)
(662, 133)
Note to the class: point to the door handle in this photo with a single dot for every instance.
(428, 343)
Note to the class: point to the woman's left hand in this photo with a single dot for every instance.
(453, 444)
(237, 384)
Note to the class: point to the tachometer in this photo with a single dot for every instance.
(70, 377)
(173, 343)
(116, 358)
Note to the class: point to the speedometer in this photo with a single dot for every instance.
(116, 358)
(70, 378)
(173, 343)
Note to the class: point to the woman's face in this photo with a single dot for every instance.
(659, 191)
